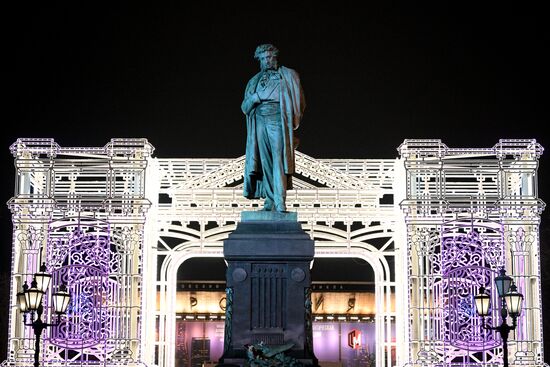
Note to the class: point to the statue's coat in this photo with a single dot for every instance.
(292, 104)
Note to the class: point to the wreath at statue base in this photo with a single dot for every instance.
(260, 355)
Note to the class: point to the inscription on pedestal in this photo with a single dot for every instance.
(269, 338)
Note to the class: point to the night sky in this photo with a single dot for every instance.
(372, 78)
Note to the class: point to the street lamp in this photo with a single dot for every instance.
(30, 301)
(510, 305)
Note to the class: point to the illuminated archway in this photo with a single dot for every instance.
(212, 246)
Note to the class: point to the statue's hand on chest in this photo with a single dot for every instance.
(268, 86)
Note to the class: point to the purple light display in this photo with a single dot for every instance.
(80, 256)
(470, 255)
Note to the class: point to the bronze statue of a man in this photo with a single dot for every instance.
(273, 104)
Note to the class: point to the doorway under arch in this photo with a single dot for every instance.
(383, 288)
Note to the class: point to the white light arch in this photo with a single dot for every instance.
(192, 249)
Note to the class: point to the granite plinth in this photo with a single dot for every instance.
(268, 287)
(269, 240)
(270, 216)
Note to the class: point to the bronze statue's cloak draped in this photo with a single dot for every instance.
(292, 104)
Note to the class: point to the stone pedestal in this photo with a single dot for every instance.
(268, 286)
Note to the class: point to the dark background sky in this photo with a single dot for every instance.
(85, 74)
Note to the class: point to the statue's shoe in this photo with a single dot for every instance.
(268, 205)
(280, 208)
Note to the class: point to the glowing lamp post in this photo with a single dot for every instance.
(30, 301)
(510, 305)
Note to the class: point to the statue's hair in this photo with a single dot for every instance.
(265, 48)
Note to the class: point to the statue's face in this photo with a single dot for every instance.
(268, 61)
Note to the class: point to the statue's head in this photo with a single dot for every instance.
(267, 55)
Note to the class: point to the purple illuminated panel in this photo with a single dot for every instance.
(464, 329)
(88, 320)
(80, 256)
(468, 261)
